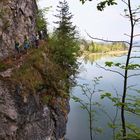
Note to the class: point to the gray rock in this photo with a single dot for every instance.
(30, 120)
(17, 19)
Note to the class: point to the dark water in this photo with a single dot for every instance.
(77, 127)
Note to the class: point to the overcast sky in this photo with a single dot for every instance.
(109, 24)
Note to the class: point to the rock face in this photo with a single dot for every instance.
(17, 19)
(25, 117)
(30, 120)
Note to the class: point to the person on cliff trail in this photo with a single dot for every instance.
(37, 40)
(26, 44)
(33, 39)
(17, 46)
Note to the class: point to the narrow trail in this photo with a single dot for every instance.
(15, 62)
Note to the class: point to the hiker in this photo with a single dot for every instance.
(17, 46)
(33, 39)
(37, 40)
(26, 43)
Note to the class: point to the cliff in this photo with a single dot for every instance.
(17, 19)
(34, 103)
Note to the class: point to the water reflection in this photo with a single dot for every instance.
(78, 121)
(94, 57)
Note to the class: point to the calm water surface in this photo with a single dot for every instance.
(77, 127)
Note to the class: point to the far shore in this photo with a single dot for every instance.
(104, 53)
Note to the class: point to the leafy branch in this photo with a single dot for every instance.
(89, 103)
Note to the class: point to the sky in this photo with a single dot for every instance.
(109, 24)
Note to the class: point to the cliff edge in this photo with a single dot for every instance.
(34, 101)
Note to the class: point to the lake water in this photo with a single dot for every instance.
(77, 127)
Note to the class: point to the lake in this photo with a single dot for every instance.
(77, 127)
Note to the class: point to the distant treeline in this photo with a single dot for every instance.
(96, 47)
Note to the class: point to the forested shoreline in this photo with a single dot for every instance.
(90, 47)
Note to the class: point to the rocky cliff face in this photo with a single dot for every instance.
(23, 113)
(17, 19)
(30, 120)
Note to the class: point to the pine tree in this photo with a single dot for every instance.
(65, 32)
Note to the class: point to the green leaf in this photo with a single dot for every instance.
(111, 125)
(76, 99)
(117, 64)
(109, 64)
(83, 107)
(105, 95)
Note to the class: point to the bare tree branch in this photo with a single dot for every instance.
(136, 35)
(131, 86)
(133, 35)
(134, 57)
(133, 75)
(130, 111)
(110, 70)
(125, 2)
(105, 40)
(127, 35)
(136, 46)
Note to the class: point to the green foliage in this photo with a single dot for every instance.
(95, 47)
(109, 64)
(38, 72)
(122, 66)
(133, 66)
(101, 5)
(131, 104)
(133, 133)
(89, 104)
(114, 100)
(2, 66)
(83, 1)
(27, 74)
(111, 125)
(41, 22)
(64, 40)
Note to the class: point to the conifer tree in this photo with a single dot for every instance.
(67, 47)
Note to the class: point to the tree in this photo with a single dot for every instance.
(132, 15)
(65, 34)
(41, 23)
(89, 105)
